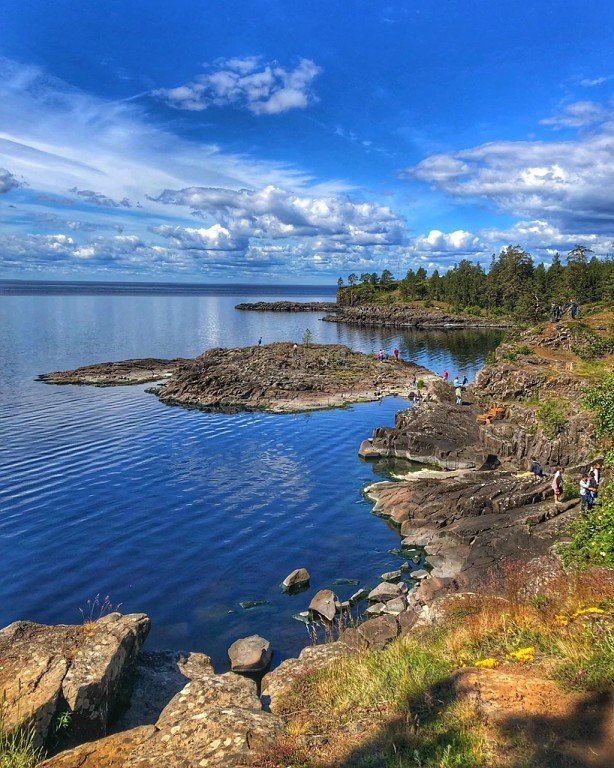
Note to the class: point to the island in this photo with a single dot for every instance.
(282, 377)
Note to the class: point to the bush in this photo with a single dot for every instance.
(420, 384)
(600, 399)
(592, 540)
(551, 416)
(513, 352)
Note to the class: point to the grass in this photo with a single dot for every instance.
(399, 707)
(17, 748)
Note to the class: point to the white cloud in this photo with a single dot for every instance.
(7, 181)
(97, 198)
(249, 83)
(213, 238)
(588, 82)
(272, 212)
(459, 242)
(570, 183)
(580, 114)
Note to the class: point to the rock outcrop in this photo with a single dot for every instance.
(46, 670)
(288, 306)
(214, 720)
(275, 377)
(118, 373)
(401, 316)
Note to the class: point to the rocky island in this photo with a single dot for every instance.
(287, 306)
(281, 377)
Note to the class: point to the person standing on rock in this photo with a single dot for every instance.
(458, 391)
(260, 341)
(396, 354)
(586, 498)
(573, 309)
(445, 374)
(465, 381)
(295, 350)
(557, 484)
(456, 382)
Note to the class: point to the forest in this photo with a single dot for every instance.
(512, 285)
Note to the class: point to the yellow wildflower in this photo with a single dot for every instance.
(561, 620)
(523, 654)
(489, 663)
(593, 609)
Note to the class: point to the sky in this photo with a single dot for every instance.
(286, 141)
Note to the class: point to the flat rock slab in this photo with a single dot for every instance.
(250, 654)
(45, 668)
(215, 720)
(118, 373)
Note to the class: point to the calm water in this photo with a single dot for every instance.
(174, 512)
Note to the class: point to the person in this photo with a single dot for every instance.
(536, 468)
(396, 354)
(553, 317)
(445, 374)
(594, 475)
(559, 312)
(586, 500)
(295, 350)
(557, 484)
(573, 309)
(456, 382)
(458, 391)
(465, 381)
(260, 341)
(380, 355)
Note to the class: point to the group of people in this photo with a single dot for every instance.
(557, 311)
(589, 483)
(457, 384)
(381, 355)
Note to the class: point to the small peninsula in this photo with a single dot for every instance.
(280, 377)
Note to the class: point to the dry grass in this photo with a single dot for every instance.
(399, 707)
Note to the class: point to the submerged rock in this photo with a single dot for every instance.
(359, 595)
(391, 576)
(248, 604)
(346, 582)
(250, 654)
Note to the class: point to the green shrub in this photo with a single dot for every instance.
(17, 748)
(600, 399)
(491, 357)
(551, 416)
(512, 353)
(571, 489)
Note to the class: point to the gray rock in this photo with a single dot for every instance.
(359, 595)
(396, 606)
(325, 603)
(379, 632)
(391, 575)
(376, 609)
(420, 574)
(250, 654)
(386, 591)
(298, 578)
(85, 667)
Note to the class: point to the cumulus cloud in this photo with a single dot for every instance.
(8, 181)
(213, 238)
(263, 88)
(571, 183)
(580, 114)
(459, 242)
(272, 212)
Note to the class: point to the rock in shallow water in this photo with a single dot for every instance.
(295, 580)
(325, 603)
(250, 654)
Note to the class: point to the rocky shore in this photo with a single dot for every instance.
(281, 377)
(287, 306)
(400, 316)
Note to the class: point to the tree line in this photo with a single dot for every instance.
(512, 284)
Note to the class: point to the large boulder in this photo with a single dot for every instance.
(79, 668)
(214, 720)
(325, 603)
(387, 591)
(250, 654)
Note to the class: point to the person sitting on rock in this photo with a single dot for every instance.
(536, 468)
(557, 484)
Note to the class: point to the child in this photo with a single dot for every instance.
(458, 391)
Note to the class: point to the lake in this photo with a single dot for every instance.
(178, 513)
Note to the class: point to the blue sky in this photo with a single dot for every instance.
(298, 141)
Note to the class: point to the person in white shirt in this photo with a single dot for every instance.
(557, 484)
(585, 493)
